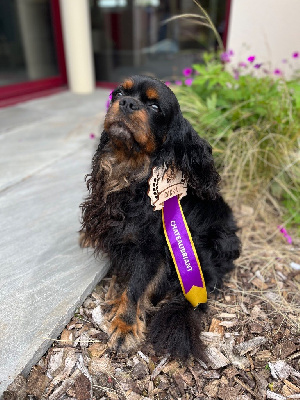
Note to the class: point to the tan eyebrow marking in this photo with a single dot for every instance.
(152, 94)
(127, 84)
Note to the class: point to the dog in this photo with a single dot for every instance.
(144, 129)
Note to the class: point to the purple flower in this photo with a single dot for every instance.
(187, 72)
(296, 54)
(107, 105)
(178, 83)
(236, 74)
(251, 58)
(277, 71)
(92, 136)
(257, 66)
(285, 234)
(231, 53)
(189, 82)
(225, 57)
(242, 64)
(167, 83)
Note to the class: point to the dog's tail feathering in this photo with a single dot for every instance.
(175, 328)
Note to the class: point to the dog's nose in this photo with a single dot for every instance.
(129, 105)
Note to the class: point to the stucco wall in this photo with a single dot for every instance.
(268, 29)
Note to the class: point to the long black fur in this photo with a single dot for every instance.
(122, 223)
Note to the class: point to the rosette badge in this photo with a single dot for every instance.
(164, 184)
(166, 187)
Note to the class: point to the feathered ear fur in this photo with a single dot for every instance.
(94, 203)
(193, 156)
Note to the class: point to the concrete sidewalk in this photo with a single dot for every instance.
(45, 152)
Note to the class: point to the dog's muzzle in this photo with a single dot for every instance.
(127, 122)
(120, 131)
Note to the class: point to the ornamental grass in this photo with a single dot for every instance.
(252, 122)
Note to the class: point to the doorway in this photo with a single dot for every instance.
(31, 47)
(132, 36)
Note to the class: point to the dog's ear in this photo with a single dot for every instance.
(198, 164)
(94, 201)
(92, 179)
(193, 156)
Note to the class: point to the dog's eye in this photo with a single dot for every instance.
(155, 107)
(119, 94)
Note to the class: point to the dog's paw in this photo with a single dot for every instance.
(125, 336)
(127, 327)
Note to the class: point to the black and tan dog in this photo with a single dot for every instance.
(143, 129)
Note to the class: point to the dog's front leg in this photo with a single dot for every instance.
(126, 315)
(127, 325)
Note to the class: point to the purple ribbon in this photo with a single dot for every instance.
(181, 245)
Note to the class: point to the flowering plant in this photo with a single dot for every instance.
(251, 116)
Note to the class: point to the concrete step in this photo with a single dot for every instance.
(44, 275)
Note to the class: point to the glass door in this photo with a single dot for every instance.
(31, 49)
(133, 37)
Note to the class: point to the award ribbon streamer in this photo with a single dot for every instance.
(183, 252)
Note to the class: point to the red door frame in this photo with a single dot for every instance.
(12, 94)
(227, 19)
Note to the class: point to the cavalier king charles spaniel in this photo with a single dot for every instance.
(143, 129)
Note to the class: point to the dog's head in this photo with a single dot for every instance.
(144, 122)
(140, 115)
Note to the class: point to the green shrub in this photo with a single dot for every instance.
(253, 124)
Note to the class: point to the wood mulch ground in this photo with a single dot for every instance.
(251, 336)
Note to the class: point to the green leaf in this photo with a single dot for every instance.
(211, 102)
(200, 68)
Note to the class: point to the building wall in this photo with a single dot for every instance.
(268, 29)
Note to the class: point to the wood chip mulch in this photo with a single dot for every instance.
(251, 336)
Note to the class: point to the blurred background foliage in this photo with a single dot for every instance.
(252, 120)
